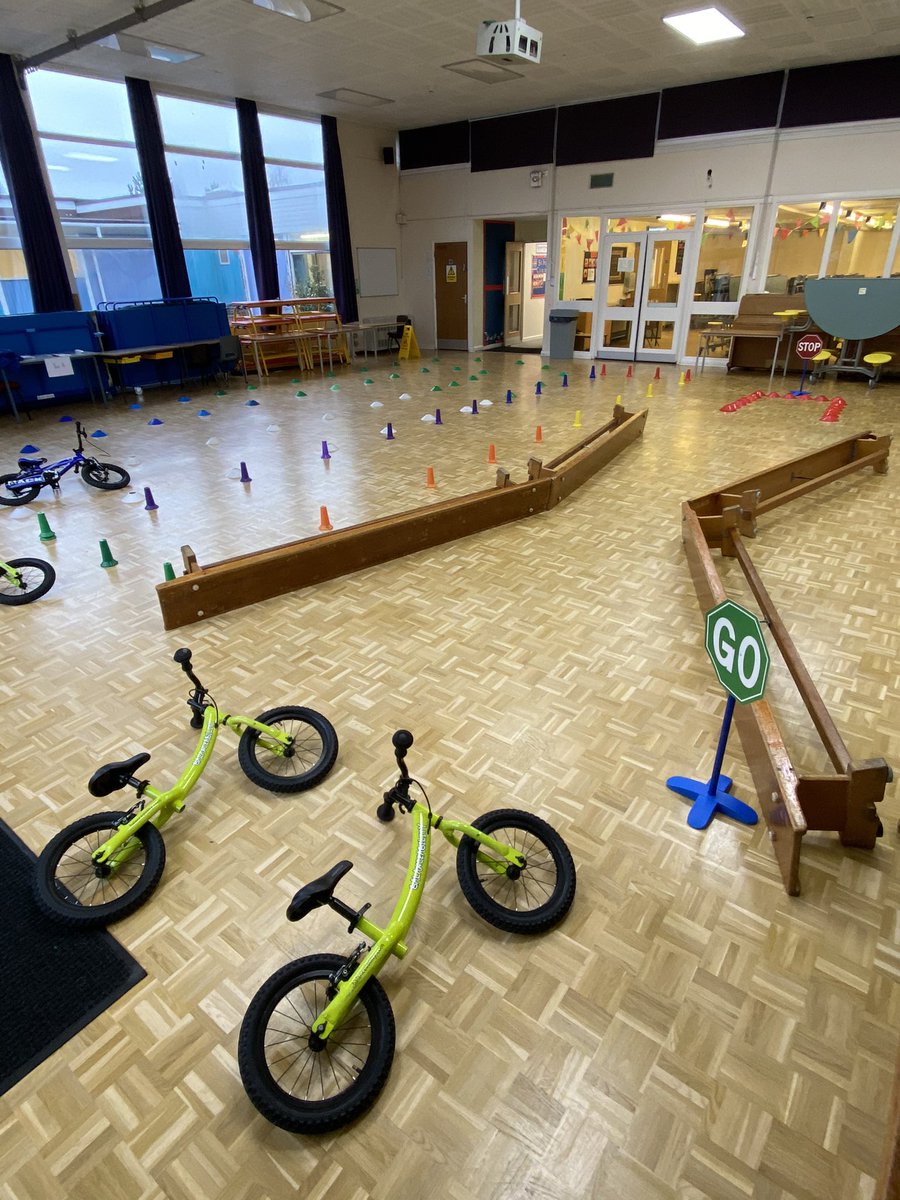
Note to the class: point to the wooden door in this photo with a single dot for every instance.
(451, 295)
(512, 292)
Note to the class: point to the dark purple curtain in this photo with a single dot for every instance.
(256, 196)
(338, 224)
(167, 248)
(51, 290)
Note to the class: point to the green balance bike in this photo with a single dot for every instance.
(25, 579)
(101, 868)
(317, 1041)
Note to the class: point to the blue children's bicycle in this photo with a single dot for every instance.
(33, 474)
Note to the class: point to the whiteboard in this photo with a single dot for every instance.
(377, 270)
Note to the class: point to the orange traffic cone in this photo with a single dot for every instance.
(429, 478)
(629, 372)
(492, 453)
(325, 526)
(538, 435)
(656, 373)
(603, 370)
(687, 375)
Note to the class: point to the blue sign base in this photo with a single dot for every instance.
(713, 796)
(709, 799)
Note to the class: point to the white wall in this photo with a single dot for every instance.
(446, 204)
(373, 200)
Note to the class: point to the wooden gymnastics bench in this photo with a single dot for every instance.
(791, 803)
(206, 591)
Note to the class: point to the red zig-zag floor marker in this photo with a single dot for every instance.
(834, 409)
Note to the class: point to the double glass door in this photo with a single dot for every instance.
(640, 293)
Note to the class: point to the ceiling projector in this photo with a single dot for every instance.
(510, 41)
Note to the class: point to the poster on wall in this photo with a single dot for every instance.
(538, 275)
(589, 270)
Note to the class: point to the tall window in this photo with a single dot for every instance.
(204, 161)
(15, 291)
(862, 236)
(296, 177)
(88, 144)
(723, 246)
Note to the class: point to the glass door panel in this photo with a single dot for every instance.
(622, 269)
(658, 328)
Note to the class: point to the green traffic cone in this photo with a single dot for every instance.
(168, 572)
(106, 558)
(47, 534)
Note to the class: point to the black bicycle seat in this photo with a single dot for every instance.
(114, 776)
(318, 893)
(26, 464)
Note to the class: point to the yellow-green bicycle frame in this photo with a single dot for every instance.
(389, 940)
(158, 807)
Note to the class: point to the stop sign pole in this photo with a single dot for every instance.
(808, 346)
(740, 658)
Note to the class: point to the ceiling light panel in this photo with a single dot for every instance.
(484, 72)
(349, 96)
(311, 10)
(704, 25)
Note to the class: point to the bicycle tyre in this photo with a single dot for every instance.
(24, 496)
(270, 1096)
(29, 592)
(496, 897)
(315, 752)
(105, 476)
(55, 899)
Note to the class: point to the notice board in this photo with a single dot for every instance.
(377, 270)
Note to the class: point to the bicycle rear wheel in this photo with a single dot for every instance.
(69, 888)
(34, 578)
(310, 756)
(530, 900)
(308, 1090)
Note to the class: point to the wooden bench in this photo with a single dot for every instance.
(791, 803)
(206, 591)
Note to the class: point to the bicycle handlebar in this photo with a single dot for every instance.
(402, 741)
(183, 658)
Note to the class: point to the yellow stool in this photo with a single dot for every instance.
(876, 361)
(821, 362)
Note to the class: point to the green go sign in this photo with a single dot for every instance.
(735, 643)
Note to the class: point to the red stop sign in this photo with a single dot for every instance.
(809, 345)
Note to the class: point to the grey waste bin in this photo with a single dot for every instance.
(562, 332)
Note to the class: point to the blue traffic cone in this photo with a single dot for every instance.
(437, 417)
(565, 381)
(325, 453)
(537, 388)
(149, 503)
(390, 432)
(474, 408)
(509, 397)
(245, 474)
(593, 374)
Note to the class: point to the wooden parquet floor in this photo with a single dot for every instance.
(690, 1032)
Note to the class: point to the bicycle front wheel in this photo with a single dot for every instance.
(31, 579)
(105, 476)
(71, 889)
(306, 761)
(11, 495)
(295, 1086)
(529, 900)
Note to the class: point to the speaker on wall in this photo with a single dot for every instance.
(387, 154)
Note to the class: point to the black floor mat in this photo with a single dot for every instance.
(53, 980)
